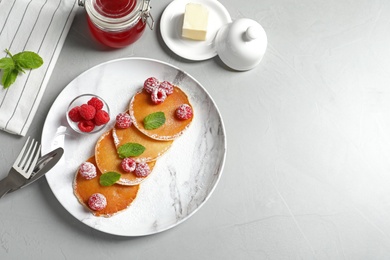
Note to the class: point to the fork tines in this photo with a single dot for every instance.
(27, 158)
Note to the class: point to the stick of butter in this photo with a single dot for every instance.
(195, 22)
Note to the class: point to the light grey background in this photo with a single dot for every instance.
(307, 174)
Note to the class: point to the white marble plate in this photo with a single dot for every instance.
(183, 178)
(171, 25)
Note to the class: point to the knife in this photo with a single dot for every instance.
(44, 164)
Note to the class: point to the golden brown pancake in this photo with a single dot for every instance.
(141, 106)
(154, 148)
(118, 197)
(107, 160)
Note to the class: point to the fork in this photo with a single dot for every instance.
(22, 168)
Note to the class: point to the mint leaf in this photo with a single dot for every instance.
(154, 120)
(130, 150)
(109, 178)
(28, 60)
(6, 63)
(9, 77)
(14, 64)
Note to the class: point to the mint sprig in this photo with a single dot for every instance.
(109, 178)
(130, 150)
(14, 64)
(154, 120)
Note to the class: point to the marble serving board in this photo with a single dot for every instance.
(183, 178)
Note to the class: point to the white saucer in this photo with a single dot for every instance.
(171, 25)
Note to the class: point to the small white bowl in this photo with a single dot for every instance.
(80, 100)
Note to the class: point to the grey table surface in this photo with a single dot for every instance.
(308, 130)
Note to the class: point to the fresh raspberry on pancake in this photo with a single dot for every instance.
(184, 112)
(150, 84)
(167, 86)
(142, 170)
(87, 170)
(128, 165)
(158, 96)
(97, 201)
(123, 120)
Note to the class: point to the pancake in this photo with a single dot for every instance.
(141, 106)
(118, 197)
(153, 148)
(107, 160)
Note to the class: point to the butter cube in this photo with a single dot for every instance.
(195, 22)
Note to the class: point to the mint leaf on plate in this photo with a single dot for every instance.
(130, 150)
(109, 178)
(154, 120)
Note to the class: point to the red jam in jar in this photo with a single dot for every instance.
(117, 23)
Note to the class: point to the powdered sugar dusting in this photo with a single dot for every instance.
(128, 182)
(115, 137)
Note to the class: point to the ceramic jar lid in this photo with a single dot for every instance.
(241, 44)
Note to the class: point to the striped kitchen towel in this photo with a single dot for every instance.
(40, 26)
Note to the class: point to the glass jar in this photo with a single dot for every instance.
(117, 23)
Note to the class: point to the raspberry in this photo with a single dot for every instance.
(123, 120)
(128, 165)
(74, 114)
(87, 170)
(96, 103)
(86, 126)
(158, 96)
(101, 117)
(184, 112)
(87, 111)
(150, 84)
(97, 201)
(167, 86)
(142, 170)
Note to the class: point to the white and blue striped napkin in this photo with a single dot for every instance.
(31, 25)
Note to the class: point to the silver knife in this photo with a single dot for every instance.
(44, 164)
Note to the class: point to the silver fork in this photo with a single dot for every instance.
(22, 168)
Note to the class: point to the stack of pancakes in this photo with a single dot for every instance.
(156, 142)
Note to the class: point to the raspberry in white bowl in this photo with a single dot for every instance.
(88, 113)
